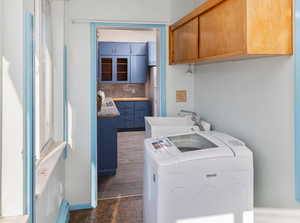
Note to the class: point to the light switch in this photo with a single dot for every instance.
(181, 96)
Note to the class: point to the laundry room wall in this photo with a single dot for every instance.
(254, 100)
(177, 77)
(79, 63)
(1, 55)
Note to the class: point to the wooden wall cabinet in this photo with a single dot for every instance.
(185, 41)
(232, 29)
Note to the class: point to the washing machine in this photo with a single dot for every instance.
(198, 177)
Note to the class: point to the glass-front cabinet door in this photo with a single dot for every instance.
(114, 69)
(106, 69)
(122, 69)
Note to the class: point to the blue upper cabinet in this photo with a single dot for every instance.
(114, 69)
(139, 69)
(106, 48)
(151, 53)
(114, 49)
(121, 62)
(139, 49)
(122, 69)
(106, 69)
(122, 49)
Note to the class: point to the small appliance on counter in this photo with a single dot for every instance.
(200, 176)
(100, 99)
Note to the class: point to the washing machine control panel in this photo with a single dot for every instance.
(161, 144)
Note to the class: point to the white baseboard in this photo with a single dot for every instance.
(270, 215)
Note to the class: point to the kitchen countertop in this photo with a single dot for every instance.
(132, 99)
(108, 109)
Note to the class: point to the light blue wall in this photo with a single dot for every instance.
(254, 100)
(297, 99)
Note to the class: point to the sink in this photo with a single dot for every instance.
(170, 121)
(165, 126)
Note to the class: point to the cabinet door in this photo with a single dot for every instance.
(151, 53)
(107, 146)
(106, 48)
(126, 118)
(122, 49)
(139, 69)
(119, 119)
(139, 49)
(222, 30)
(106, 69)
(141, 110)
(122, 68)
(185, 42)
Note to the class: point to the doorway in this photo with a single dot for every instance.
(125, 138)
(127, 82)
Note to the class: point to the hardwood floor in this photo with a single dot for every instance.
(129, 177)
(118, 210)
(120, 196)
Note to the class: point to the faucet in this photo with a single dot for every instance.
(195, 118)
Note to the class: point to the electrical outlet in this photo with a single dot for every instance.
(181, 96)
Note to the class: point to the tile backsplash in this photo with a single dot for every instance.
(123, 90)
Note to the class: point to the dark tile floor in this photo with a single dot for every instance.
(118, 210)
(129, 177)
(120, 196)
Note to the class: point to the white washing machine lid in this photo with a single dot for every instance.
(198, 146)
(192, 142)
(187, 147)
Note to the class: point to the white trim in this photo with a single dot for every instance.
(274, 215)
(43, 79)
(79, 21)
(17, 219)
(37, 11)
(47, 165)
(52, 149)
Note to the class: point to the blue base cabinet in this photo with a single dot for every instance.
(107, 146)
(132, 114)
(141, 110)
(126, 118)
